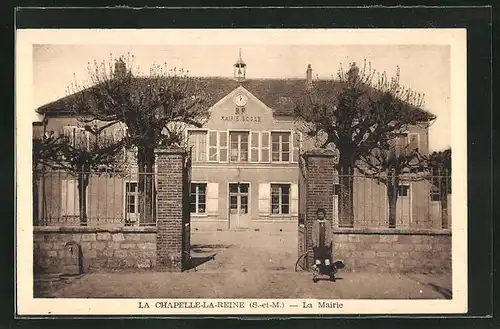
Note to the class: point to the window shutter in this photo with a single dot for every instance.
(264, 198)
(212, 146)
(294, 191)
(265, 146)
(223, 146)
(254, 148)
(212, 198)
(296, 140)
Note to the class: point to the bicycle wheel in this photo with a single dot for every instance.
(299, 264)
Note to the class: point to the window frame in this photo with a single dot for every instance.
(239, 132)
(290, 146)
(280, 205)
(189, 132)
(408, 140)
(197, 203)
(136, 200)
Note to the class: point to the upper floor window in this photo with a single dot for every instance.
(410, 141)
(414, 141)
(198, 145)
(239, 146)
(280, 146)
(244, 146)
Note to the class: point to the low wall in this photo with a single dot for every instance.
(268, 226)
(394, 250)
(102, 248)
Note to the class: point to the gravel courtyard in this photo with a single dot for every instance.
(249, 264)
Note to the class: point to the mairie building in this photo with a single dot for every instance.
(245, 162)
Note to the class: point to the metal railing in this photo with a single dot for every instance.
(94, 199)
(409, 200)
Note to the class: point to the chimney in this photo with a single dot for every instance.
(120, 68)
(309, 76)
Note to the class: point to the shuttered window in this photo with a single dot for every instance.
(198, 145)
(280, 146)
(280, 199)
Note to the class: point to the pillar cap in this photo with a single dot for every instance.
(170, 150)
(319, 152)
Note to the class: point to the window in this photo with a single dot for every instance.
(198, 198)
(198, 145)
(78, 137)
(414, 141)
(403, 190)
(280, 147)
(239, 146)
(435, 194)
(280, 199)
(131, 200)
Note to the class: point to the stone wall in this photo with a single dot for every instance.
(393, 250)
(102, 248)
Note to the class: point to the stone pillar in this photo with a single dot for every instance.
(320, 180)
(171, 219)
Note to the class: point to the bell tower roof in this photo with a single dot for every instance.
(240, 62)
(240, 69)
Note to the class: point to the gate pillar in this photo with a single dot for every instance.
(318, 190)
(173, 219)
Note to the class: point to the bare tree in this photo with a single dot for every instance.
(387, 166)
(46, 150)
(439, 165)
(156, 108)
(361, 111)
(87, 150)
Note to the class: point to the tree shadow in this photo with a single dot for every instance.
(197, 261)
(447, 293)
(201, 248)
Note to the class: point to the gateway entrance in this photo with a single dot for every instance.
(239, 212)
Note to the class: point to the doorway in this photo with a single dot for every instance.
(239, 208)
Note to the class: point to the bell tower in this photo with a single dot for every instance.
(240, 69)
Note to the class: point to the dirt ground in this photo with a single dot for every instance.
(250, 265)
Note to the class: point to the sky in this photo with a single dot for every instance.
(424, 68)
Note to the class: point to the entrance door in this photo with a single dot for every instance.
(239, 212)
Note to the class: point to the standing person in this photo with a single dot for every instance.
(322, 239)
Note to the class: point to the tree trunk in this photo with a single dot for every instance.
(147, 205)
(83, 182)
(36, 209)
(443, 191)
(392, 197)
(346, 208)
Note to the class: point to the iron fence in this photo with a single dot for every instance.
(409, 200)
(94, 199)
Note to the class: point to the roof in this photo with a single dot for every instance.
(277, 94)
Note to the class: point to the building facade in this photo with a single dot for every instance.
(245, 166)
